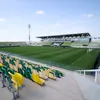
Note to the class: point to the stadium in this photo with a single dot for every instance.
(67, 51)
(49, 50)
(49, 59)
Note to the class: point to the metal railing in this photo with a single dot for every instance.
(84, 73)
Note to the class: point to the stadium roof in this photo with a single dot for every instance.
(66, 35)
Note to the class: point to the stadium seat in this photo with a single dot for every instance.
(20, 71)
(28, 73)
(66, 44)
(1, 64)
(94, 44)
(42, 75)
(15, 68)
(57, 74)
(45, 43)
(11, 66)
(38, 80)
(17, 79)
(11, 71)
(51, 76)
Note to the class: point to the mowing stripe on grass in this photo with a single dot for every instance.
(51, 54)
(87, 61)
(44, 52)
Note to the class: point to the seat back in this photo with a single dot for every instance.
(19, 79)
(35, 77)
(1, 64)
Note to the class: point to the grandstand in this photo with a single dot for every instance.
(13, 43)
(74, 40)
(94, 45)
(80, 44)
(66, 43)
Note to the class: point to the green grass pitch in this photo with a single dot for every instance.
(68, 58)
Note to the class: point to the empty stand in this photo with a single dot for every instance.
(13, 43)
(79, 44)
(94, 44)
(45, 43)
(66, 44)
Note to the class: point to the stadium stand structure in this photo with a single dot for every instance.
(94, 45)
(66, 43)
(45, 43)
(74, 40)
(13, 43)
(79, 44)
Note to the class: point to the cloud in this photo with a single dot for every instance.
(88, 15)
(2, 19)
(40, 12)
(58, 24)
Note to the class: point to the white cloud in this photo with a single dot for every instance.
(2, 19)
(88, 15)
(40, 12)
(58, 24)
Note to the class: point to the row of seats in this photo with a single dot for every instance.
(66, 44)
(13, 43)
(34, 72)
(94, 44)
(79, 44)
(46, 43)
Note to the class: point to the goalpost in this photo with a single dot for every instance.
(89, 50)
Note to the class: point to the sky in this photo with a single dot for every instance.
(48, 17)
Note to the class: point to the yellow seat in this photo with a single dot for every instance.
(11, 66)
(34, 71)
(47, 71)
(15, 68)
(30, 66)
(52, 76)
(43, 75)
(0, 60)
(7, 60)
(38, 80)
(1, 65)
(20, 66)
(17, 79)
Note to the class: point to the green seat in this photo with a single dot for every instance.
(23, 66)
(25, 71)
(61, 74)
(33, 67)
(5, 72)
(57, 74)
(45, 67)
(38, 69)
(28, 75)
(11, 71)
(29, 70)
(8, 57)
(20, 71)
(0, 69)
(6, 64)
(12, 62)
(42, 68)
(52, 72)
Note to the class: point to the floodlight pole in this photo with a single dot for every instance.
(29, 26)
